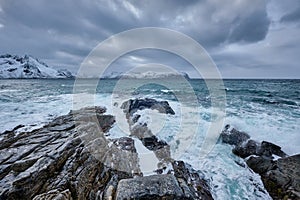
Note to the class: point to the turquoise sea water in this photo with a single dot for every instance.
(266, 109)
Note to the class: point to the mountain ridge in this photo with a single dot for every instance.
(29, 67)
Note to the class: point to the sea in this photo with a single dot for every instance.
(265, 109)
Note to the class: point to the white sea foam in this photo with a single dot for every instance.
(223, 169)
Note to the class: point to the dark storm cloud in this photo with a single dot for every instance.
(80, 17)
(63, 32)
(252, 28)
(293, 16)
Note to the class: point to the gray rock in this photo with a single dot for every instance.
(244, 147)
(265, 149)
(152, 143)
(149, 187)
(70, 158)
(281, 177)
(59, 161)
(132, 105)
(260, 165)
(268, 149)
(141, 131)
(233, 136)
(54, 194)
(125, 143)
(247, 149)
(193, 185)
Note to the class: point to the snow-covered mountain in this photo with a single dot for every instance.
(13, 66)
(145, 75)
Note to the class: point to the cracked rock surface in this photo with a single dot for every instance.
(71, 158)
(281, 177)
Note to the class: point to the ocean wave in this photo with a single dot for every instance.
(275, 101)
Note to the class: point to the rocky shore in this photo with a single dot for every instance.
(71, 158)
(279, 172)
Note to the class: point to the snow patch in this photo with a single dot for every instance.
(28, 67)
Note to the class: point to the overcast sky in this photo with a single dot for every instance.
(245, 38)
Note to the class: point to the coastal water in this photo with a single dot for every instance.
(265, 109)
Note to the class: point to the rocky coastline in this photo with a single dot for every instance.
(72, 158)
(280, 173)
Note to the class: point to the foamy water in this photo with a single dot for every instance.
(269, 113)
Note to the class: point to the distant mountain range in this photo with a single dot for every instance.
(145, 75)
(13, 66)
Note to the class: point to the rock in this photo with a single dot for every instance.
(132, 105)
(281, 177)
(54, 194)
(149, 187)
(193, 186)
(152, 143)
(71, 158)
(245, 147)
(250, 148)
(125, 143)
(260, 164)
(268, 149)
(141, 131)
(233, 137)
(59, 160)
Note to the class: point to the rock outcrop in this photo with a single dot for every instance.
(150, 187)
(132, 105)
(192, 185)
(72, 158)
(60, 160)
(281, 177)
(13, 66)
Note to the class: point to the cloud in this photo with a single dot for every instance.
(293, 16)
(252, 28)
(63, 32)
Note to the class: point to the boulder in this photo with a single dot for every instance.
(247, 149)
(191, 181)
(71, 158)
(233, 136)
(281, 177)
(268, 149)
(150, 187)
(244, 146)
(132, 105)
(59, 161)
(152, 143)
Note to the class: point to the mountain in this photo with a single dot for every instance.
(146, 75)
(13, 66)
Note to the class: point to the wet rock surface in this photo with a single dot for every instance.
(133, 105)
(191, 181)
(152, 143)
(57, 161)
(281, 177)
(71, 158)
(233, 136)
(150, 187)
(191, 184)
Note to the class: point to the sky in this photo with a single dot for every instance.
(245, 38)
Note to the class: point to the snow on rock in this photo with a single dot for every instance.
(145, 75)
(13, 66)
